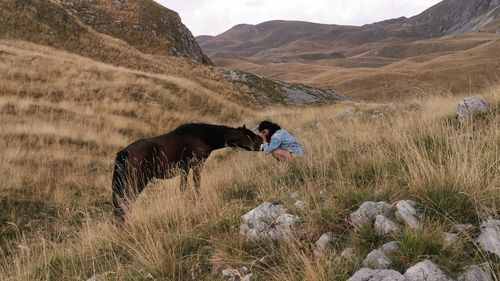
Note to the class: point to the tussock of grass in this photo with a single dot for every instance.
(427, 243)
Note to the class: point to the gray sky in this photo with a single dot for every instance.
(212, 17)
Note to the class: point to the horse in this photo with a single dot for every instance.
(166, 156)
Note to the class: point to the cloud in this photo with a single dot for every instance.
(213, 17)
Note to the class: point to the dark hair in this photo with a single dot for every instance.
(272, 127)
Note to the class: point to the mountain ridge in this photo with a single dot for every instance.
(319, 54)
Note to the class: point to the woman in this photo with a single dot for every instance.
(279, 142)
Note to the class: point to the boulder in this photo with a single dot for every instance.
(323, 241)
(366, 274)
(377, 259)
(406, 211)
(380, 258)
(469, 107)
(385, 226)
(368, 211)
(390, 247)
(425, 271)
(489, 239)
(267, 221)
(480, 272)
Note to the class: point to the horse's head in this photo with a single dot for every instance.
(243, 138)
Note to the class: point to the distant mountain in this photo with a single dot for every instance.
(292, 37)
(78, 25)
(339, 57)
(458, 16)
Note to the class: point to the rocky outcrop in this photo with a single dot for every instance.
(425, 271)
(377, 264)
(144, 24)
(470, 107)
(366, 274)
(267, 221)
(457, 16)
(367, 212)
(265, 90)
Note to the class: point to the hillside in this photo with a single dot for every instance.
(83, 27)
(58, 153)
(70, 97)
(389, 53)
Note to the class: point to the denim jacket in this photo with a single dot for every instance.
(283, 139)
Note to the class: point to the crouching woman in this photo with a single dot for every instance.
(279, 142)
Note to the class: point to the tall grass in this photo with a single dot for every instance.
(57, 159)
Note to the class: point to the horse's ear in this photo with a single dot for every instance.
(244, 126)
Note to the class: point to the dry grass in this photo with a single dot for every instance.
(64, 117)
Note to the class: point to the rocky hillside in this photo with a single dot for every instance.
(458, 16)
(263, 90)
(81, 26)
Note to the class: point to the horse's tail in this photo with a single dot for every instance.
(119, 185)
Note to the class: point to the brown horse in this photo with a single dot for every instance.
(166, 156)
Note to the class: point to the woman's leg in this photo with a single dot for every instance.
(282, 154)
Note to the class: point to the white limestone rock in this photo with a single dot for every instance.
(323, 241)
(380, 258)
(267, 221)
(480, 272)
(469, 107)
(425, 271)
(377, 259)
(366, 274)
(385, 226)
(489, 239)
(368, 211)
(406, 211)
(390, 247)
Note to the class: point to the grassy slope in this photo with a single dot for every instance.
(64, 116)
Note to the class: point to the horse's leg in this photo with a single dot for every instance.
(120, 186)
(184, 178)
(197, 176)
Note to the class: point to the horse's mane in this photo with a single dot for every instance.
(212, 134)
(199, 129)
